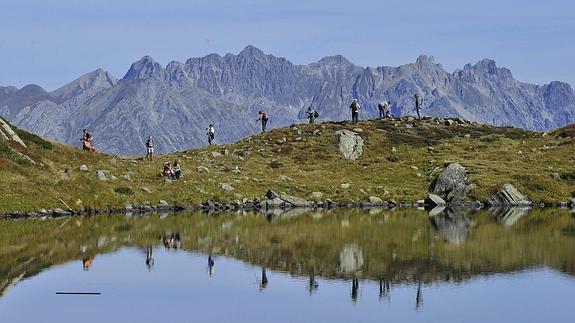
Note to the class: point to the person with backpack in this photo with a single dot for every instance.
(312, 114)
(381, 108)
(211, 134)
(150, 149)
(418, 104)
(264, 119)
(87, 141)
(355, 107)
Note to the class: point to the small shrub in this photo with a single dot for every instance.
(490, 138)
(568, 176)
(11, 154)
(32, 138)
(124, 190)
(392, 158)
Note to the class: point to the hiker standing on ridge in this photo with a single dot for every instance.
(87, 141)
(387, 109)
(150, 149)
(384, 110)
(211, 134)
(418, 104)
(354, 111)
(264, 119)
(311, 114)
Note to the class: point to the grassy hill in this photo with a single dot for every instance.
(400, 160)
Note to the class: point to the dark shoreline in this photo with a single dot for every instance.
(264, 206)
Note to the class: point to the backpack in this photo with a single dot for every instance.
(316, 114)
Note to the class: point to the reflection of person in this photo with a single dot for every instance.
(418, 297)
(384, 290)
(264, 281)
(172, 241)
(211, 265)
(313, 285)
(87, 262)
(149, 258)
(354, 290)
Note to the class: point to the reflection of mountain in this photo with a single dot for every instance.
(396, 246)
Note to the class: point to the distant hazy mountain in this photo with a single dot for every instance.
(176, 103)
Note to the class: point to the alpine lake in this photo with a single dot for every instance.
(343, 265)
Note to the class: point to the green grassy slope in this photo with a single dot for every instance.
(541, 166)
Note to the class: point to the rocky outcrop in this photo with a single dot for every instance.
(508, 196)
(274, 200)
(452, 184)
(350, 259)
(174, 103)
(7, 133)
(350, 144)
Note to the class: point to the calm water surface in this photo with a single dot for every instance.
(352, 266)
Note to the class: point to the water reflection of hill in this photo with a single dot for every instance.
(396, 246)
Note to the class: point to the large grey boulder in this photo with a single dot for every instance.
(350, 144)
(508, 196)
(452, 183)
(350, 259)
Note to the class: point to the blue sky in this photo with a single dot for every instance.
(51, 42)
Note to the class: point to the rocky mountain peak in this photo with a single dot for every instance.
(335, 60)
(252, 51)
(92, 82)
(146, 67)
(424, 60)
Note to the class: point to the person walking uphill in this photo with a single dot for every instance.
(418, 104)
(264, 119)
(354, 111)
(311, 114)
(150, 149)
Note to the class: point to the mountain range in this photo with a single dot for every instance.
(175, 103)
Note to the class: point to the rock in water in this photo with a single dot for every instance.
(350, 259)
(452, 183)
(350, 144)
(508, 196)
(434, 200)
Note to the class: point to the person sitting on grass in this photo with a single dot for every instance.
(176, 170)
(167, 172)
